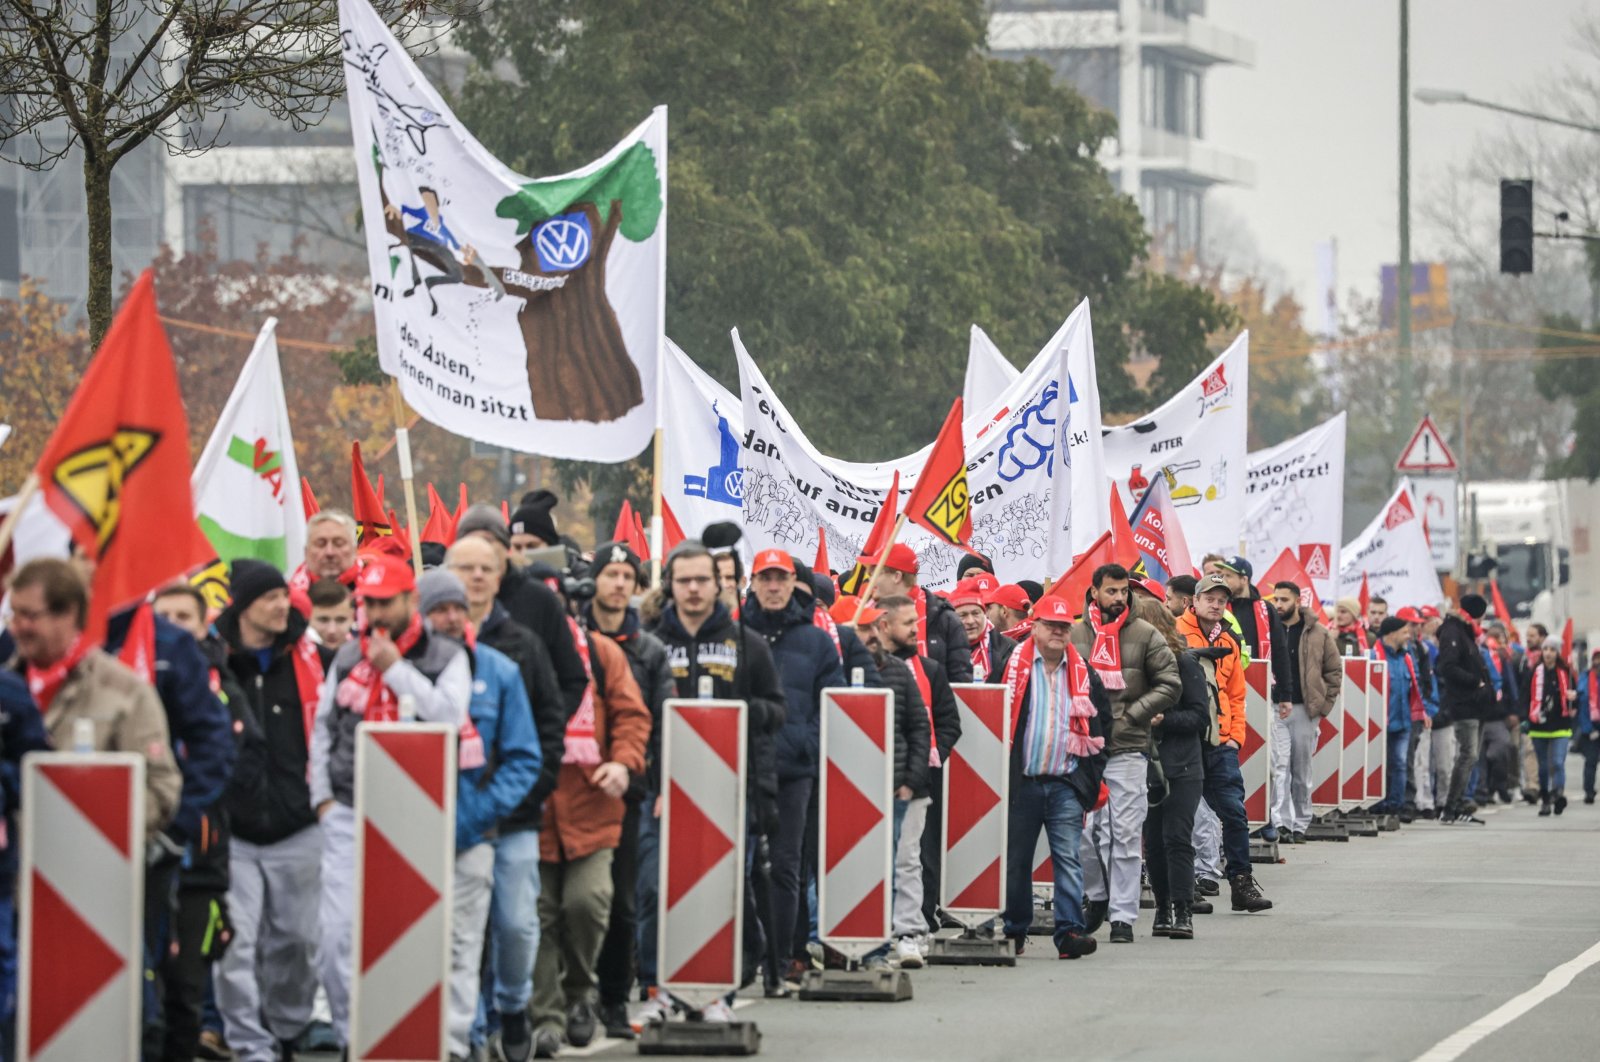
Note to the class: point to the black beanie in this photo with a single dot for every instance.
(617, 553)
(1032, 589)
(1475, 606)
(826, 592)
(1389, 625)
(532, 517)
(970, 561)
(251, 579)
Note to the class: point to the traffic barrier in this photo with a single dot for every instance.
(972, 877)
(1255, 757)
(855, 836)
(405, 831)
(1378, 743)
(1326, 765)
(1353, 764)
(81, 896)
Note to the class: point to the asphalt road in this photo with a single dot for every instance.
(1375, 949)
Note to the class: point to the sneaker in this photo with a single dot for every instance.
(656, 1009)
(581, 1023)
(1544, 807)
(213, 1048)
(1428, 813)
(1268, 833)
(1201, 907)
(1121, 933)
(877, 963)
(1247, 895)
(516, 1045)
(1588, 798)
(906, 951)
(1077, 945)
(718, 1011)
(1019, 941)
(1094, 914)
(1408, 816)
(1299, 838)
(1163, 921)
(1207, 887)
(614, 1016)
(546, 1042)
(795, 970)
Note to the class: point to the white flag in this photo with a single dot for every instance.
(1197, 441)
(702, 466)
(1088, 500)
(1393, 554)
(1296, 502)
(988, 372)
(246, 484)
(525, 313)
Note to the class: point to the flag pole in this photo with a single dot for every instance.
(30, 487)
(657, 529)
(877, 570)
(402, 444)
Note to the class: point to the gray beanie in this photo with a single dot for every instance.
(440, 586)
(482, 517)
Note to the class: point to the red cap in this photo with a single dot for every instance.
(967, 592)
(1149, 586)
(1429, 612)
(1053, 609)
(844, 611)
(1409, 615)
(769, 559)
(902, 558)
(385, 577)
(984, 581)
(1011, 596)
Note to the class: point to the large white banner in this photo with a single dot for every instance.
(1393, 554)
(988, 372)
(525, 313)
(1087, 505)
(1296, 502)
(702, 459)
(1197, 441)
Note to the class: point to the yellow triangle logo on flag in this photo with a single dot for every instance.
(93, 477)
(949, 510)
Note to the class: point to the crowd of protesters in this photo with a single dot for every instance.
(1127, 708)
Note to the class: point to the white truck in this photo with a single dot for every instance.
(1545, 540)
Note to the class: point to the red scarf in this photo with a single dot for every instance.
(821, 620)
(919, 597)
(308, 678)
(980, 654)
(139, 647)
(1594, 695)
(1019, 672)
(1536, 714)
(582, 747)
(1020, 632)
(1263, 630)
(1419, 711)
(1106, 656)
(45, 682)
(1361, 635)
(925, 688)
(381, 705)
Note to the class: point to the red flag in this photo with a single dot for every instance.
(1364, 599)
(820, 564)
(1502, 613)
(366, 504)
(671, 530)
(940, 501)
(1287, 568)
(623, 532)
(116, 470)
(505, 511)
(1566, 641)
(877, 538)
(1074, 586)
(641, 537)
(308, 500)
(1124, 547)
(441, 525)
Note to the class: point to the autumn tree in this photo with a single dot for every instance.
(41, 359)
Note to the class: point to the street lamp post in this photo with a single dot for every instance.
(1402, 280)
(1433, 95)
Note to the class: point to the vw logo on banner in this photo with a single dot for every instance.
(563, 243)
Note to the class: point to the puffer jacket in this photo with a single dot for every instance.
(1321, 672)
(504, 719)
(1229, 677)
(1183, 725)
(910, 724)
(1150, 674)
(947, 639)
(807, 663)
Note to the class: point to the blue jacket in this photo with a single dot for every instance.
(807, 664)
(1585, 724)
(21, 731)
(1399, 689)
(201, 729)
(500, 711)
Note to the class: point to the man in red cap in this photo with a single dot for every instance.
(1008, 607)
(808, 663)
(990, 649)
(939, 632)
(395, 657)
(1062, 720)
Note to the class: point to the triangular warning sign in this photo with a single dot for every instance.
(1427, 452)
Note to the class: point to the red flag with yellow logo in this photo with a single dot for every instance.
(939, 501)
(117, 469)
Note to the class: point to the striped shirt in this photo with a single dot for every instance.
(1044, 748)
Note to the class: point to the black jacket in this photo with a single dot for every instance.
(647, 659)
(536, 607)
(947, 639)
(1000, 649)
(206, 869)
(1465, 689)
(1282, 673)
(1085, 780)
(807, 664)
(740, 667)
(857, 655)
(946, 714)
(499, 631)
(268, 798)
(1178, 738)
(910, 725)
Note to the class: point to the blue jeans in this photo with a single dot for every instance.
(513, 931)
(1397, 760)
(1224, 795)
(1050, 803)
(8, 973)
(1552, 755)
(647, 891)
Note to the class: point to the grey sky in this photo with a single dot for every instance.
(1318, 116)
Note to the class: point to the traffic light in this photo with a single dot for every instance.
(1516, 226)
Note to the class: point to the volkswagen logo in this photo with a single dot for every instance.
(563, 243)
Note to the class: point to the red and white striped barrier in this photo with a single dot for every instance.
(1353, 764)
(1043, 872)
(405, 829)
(972, 882)
(855, 823)
(81, 914)
(1327, 755)
(702, 845)
(1378, 732)
(1255, 759)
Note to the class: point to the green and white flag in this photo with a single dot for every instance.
(527, 313)
(247, 484)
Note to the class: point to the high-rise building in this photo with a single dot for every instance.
(1145, 61)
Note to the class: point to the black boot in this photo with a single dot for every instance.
(1200, 906)
(1163, 922)
(1247, 895)
(1182, 922)
(1094, 915)
(1544, 802)
(1560, 802)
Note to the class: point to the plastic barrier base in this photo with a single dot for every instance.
(700, 1038)
(1327, 830)
(855, 986)
(972, 949)
(1359, 823)
(1263, 851)
(1388, 823)
(1044, 915)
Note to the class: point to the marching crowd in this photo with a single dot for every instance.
(1127, 710)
